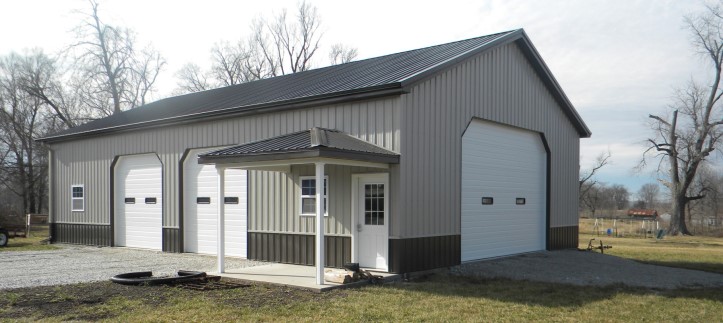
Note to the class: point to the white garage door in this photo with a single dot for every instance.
(200, 208)
(138, 202)
(503, 191)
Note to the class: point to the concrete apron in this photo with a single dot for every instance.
(297, 276)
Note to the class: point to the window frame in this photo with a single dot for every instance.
(73, 198)
(302, 196)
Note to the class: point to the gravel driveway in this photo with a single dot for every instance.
(588, 268)
(75, 264)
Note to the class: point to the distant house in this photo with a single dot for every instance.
(643, 214)
(435, 156)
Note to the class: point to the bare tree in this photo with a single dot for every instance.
(39, 77)
(620, 197)
(685, 139)
(239, 63)
(192, 79)
(147, 67)
(340, 54)
(295, 42)
(116, 76)
(648, 194)
(277, 46)
(700, 210)
(23, 170)
(587, 180)
(593, 199)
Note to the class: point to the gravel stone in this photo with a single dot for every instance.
(75, 264)
(586, 268)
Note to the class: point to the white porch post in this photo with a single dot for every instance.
(220, 226)
(320, 223)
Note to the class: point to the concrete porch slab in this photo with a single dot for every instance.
(292, 275)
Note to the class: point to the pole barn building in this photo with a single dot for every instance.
(410, 161)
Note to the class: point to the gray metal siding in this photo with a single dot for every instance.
(424, 126)
(498, 85)
(297, 249)
(88, 161)
(278, 193)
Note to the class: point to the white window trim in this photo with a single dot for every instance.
(72, 198)
(302, 197)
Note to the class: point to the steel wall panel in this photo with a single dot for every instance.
(498, 85)
(88, 161)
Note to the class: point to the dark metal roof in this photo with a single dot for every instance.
(315, 142)
(385, 75)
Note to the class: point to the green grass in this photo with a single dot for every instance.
(438, 298)
(31, 243)
(691, 252)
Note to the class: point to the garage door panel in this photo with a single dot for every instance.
(138, 224)
(504, 163)
(200, 230)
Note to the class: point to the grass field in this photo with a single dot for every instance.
(32, 243)
(691, 252)
(436, 298)
(439, 297)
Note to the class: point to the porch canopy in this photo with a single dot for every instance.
(316, 146)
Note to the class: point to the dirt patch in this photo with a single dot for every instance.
(66, 300)
(94, 301)
(586, 268)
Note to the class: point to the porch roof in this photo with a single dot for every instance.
(313, 143)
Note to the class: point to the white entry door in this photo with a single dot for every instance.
(372, 217)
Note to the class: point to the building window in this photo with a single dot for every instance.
(77, 198)
(308, 195)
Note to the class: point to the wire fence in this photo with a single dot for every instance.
(621, 227)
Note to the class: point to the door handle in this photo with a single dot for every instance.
(358, 227)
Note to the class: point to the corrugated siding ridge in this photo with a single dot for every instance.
(499, 85)
(88, 161)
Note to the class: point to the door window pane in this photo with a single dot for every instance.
(374, 204)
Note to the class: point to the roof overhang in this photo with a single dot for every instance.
(302, 147)
(284, 165)
(305, 156)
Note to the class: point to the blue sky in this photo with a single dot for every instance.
(617, 60)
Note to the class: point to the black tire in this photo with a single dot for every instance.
(4, 237)
(146, 277)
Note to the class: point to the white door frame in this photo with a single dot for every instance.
(355, 178)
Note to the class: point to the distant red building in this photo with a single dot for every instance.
(643, 214)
